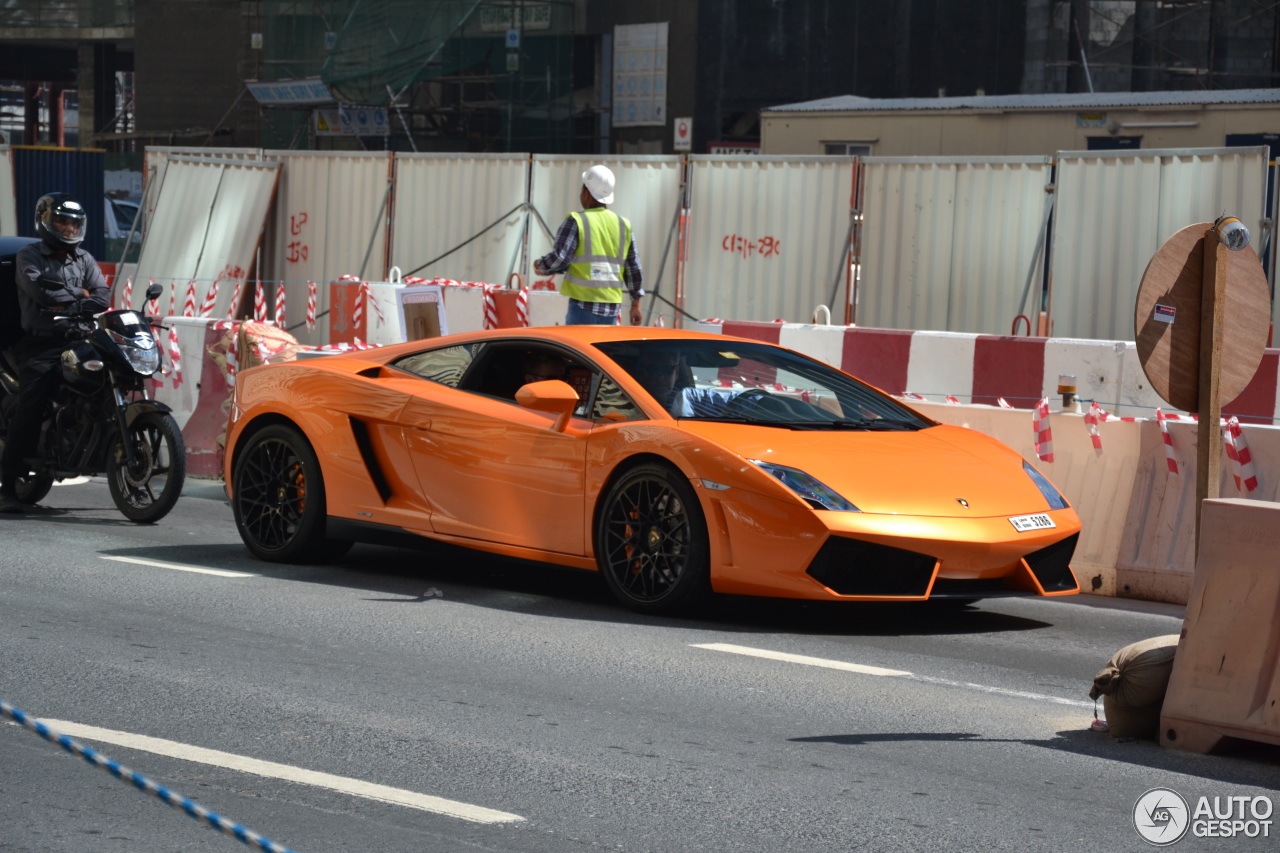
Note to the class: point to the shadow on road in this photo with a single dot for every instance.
(435, 570)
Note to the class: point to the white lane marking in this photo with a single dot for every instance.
(890, 673)
(807, 661)
(271, 770)
(72, 481)
(178, 567)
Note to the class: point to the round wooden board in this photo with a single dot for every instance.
(1167, 319)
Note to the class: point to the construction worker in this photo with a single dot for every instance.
(596, 250)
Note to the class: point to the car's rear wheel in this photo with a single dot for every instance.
(651, 541)
(278, 499)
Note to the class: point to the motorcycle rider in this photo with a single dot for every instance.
(53, 277)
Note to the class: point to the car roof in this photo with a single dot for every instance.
(11, 245)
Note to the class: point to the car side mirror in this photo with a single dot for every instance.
(553, 396)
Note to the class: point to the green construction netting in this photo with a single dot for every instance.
(383, 46)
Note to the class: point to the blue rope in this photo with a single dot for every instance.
(142, 783)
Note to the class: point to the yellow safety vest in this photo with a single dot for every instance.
(595, 273)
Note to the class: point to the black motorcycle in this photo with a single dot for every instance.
(102, 419)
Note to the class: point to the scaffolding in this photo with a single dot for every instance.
(472, 75)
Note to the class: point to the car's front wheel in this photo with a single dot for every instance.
(278, 499)
(651, 541)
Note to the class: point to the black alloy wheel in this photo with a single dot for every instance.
(651, 541)
(278, 499)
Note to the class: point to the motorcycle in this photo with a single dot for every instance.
(102, 419)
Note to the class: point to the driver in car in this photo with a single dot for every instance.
(662, 375)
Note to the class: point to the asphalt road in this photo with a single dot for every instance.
(438, 701)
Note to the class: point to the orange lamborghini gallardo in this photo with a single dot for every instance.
(673, 463)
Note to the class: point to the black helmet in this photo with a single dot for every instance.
(60, 220)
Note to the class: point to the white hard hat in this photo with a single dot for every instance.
(599, 182)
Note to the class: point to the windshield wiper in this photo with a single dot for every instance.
(877, 424)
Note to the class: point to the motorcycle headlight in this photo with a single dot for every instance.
(1052, 495)
(140, 351)
(810, 489)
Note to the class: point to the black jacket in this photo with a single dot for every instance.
(50, 284)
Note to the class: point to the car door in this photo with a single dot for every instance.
(495, 471)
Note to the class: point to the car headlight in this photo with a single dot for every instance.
(813, 491)
(1052, 495)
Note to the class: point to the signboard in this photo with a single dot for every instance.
(351, 121)
(421, 309)
(290, 93)
(640, 75)
(497, 19)
(721, 147)
(683, 131)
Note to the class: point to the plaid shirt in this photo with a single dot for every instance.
(561, 255)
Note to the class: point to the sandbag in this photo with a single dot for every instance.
(1137, 676)
(1140, 722)
(262, 343)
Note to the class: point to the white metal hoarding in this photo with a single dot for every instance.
(8, 202)
(949, 244)
(207, 226)
(461, 211)
(1115, 210)
(767, 236)
(647, 194)
(330, 220)
(156, 162)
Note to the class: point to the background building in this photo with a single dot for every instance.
(576, 76)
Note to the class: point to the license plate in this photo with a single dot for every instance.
(1039, 521)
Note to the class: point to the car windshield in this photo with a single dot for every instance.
(733, 381)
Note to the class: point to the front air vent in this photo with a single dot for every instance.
(854, 567)
(1052, 565)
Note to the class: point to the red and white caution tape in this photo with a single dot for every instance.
(712, 321)
(259, 302)
(175, 356)
(235, 300)
(1238, 452)
(490, 310)
(280, 306)
(311, 306)
(522, 306)
(128, 294)
(1043, 431)
(210, 300)
(173, 298)
(1170, 459)
(189, 304)
(911, 396)
(658, 322)
(952, 400)
(1004, 404)
(1095, 416)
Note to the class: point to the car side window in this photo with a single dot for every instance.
(613, 404)
(445, 365)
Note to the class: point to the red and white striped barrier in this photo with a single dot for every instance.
(210, 300)
(189, 304)
(311, 306)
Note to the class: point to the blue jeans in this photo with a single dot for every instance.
(579, 316)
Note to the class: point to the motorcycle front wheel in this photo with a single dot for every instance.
(146, 490)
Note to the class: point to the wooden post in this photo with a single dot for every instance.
(1212, 323)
